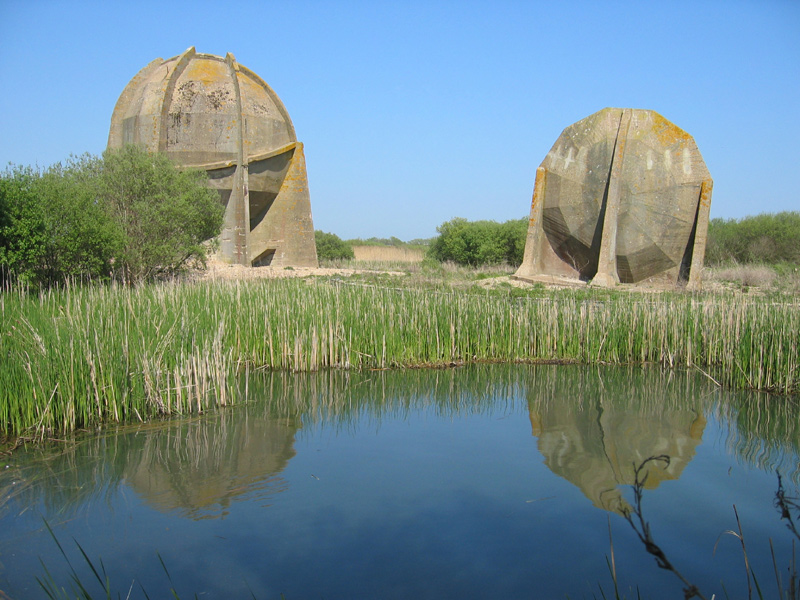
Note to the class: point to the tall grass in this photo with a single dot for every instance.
(761, 276)
(81, 357)
(780, 278)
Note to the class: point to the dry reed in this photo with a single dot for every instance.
(387, 254)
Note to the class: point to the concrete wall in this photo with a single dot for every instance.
(622, 197)
(209, 112)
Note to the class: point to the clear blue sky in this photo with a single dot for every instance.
(413, 113)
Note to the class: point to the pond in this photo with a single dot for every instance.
(484, 481)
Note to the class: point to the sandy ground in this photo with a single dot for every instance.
(217, 270)
(553, 282)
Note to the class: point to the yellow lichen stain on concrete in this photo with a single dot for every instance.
(253, 90)
(668, 134)
(705, 193)
(207, 71)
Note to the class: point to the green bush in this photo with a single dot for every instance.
(52, 227)
(331, 247)
(767, 238)
(162, 214)
(22, 227)
(475, 243)
(129, 214)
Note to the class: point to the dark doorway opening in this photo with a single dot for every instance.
(265, 258)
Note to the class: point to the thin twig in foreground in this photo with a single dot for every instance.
(642, 528)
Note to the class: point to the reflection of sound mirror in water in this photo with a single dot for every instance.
(614, 418)
(197, 471)
(413, 483)
(598, 448)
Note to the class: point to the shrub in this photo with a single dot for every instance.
(52, 227)
(130, 210)
(746, 275)
(474, 243)
(765, 238)
(162, 214)
(331, 247)
(22, 227)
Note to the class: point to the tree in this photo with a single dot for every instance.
(22, 228)
(476, 243)
(82, 239)
(331, 247)
(515, 234)
(163, 215)
(129, 214)
(51, 226)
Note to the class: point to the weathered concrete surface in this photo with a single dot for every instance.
(622, 196)
(595, 427)
(209, 112)
(597, 448)
(197, 472)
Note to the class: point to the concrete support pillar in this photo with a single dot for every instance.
(236, 223)
(607, 275)
(168, 90)
(242, 209)
(290, 229)
(700, 236)
(532, 259)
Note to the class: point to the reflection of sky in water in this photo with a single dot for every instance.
(413, 500)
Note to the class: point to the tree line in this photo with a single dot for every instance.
(769, 238)
(470, 243)
(127, 215)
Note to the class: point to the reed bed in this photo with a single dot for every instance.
(388, 254)
(82, 357)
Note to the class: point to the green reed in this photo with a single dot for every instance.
(81, 357)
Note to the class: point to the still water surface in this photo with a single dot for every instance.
(487, 481)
